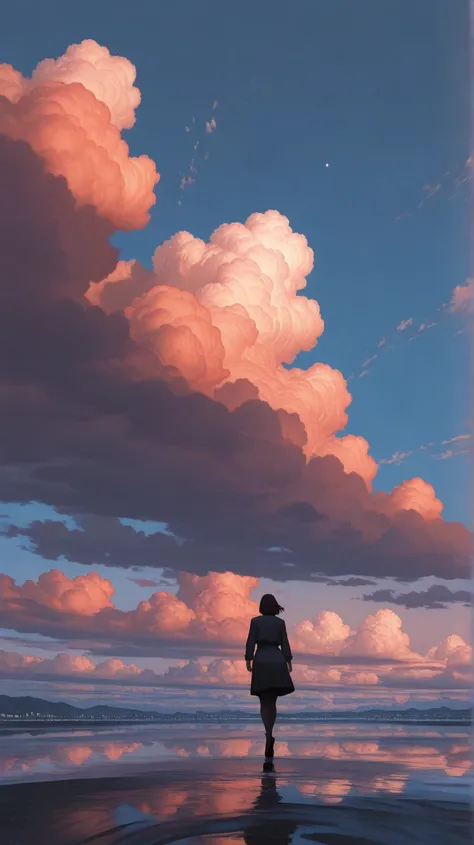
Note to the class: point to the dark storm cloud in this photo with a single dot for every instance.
(354, 582)
(434, 598)
(108, 542)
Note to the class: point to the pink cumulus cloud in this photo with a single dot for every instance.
(417, 495)
(71, 112)
(231, 310)
(85, 595)
(215, 609)
(110, 78)
(381, 635)
(325, 635)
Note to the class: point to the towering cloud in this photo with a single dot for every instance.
(231, 311)
(171, 395)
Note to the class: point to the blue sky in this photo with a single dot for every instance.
(377, 90)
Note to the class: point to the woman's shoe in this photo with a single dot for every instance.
(269, 746)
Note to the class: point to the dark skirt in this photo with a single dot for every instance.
(270, 672)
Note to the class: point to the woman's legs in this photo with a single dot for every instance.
(268, 710)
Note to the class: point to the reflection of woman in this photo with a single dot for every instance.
(271, 664)
(266, 830)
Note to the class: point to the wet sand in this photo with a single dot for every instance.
(336, 785)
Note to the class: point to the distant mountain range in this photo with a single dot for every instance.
(26, 706)
(37, 709)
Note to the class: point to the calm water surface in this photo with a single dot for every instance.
(334, 784)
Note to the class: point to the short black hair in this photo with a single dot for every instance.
(269, 606)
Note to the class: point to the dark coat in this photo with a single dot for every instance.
(268, 636)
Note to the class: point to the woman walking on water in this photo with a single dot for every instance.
(270, 665)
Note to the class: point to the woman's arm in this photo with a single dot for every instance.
(285, 646)
(250, 646)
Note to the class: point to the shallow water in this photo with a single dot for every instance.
(360, 784)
